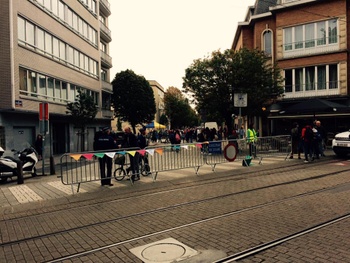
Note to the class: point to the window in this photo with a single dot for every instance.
(21, 29)
(288, 75)
(332, 31)
(333, 76)
(299, 79)
(50, 87)
(299, 37)
(48, 43)
(62, 50)
(321, 33)
(57, 91)
(312, 35)
(310, 78)
(321, 77)
(42, 84)
(309, 35)
(29, 33)
(55, 45)
(61, 11)
(268, 42)
(40, 35)
(23, 81)
(103, 74)
(32, 85)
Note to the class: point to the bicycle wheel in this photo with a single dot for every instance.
(119, 174)
(145, 171)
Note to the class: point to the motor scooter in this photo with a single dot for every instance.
(8, 164)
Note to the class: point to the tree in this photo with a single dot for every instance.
(133, 98)
(178, 110)
(83, 111)
(212, 82)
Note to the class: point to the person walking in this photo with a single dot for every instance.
(295, 134)
(130, 141)
(323, 137)
(104, 141)
(307, 136)
(251, 139)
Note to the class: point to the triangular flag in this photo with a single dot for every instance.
(150, 151)
(110, 155)
(159, 151)
(88, 155)
(75, 156)
(142, 152)
(122, 152)
(132, 153)
(185, 146)
(199, 145)
(100, 155)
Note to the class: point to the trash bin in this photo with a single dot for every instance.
(247, 160)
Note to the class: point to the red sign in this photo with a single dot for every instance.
(43, 111)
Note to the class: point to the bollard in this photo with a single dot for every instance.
(52, 165)
(19, 172)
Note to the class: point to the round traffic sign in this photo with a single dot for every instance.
(230, 152)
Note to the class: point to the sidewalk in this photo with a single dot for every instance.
(49, 186)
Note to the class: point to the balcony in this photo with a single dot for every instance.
(107, 86)
(332, 90)
(106, 60)
(311, 47)
(105, 7)
(105, 32)
(107, 113)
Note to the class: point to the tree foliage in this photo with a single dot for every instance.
(83, 111)
(213, 81)
(178, 110)
(133, 98)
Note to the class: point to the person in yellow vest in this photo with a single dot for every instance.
(251, 139)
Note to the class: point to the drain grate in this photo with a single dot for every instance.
(163, 251)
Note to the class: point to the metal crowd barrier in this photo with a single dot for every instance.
(77, 168)
(174, 157)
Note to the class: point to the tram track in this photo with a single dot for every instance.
(179, 205)
(176, 186)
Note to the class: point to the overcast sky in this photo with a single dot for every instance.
(159, 39)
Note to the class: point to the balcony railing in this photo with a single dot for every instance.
(105, 7)
(333, 91)
(107, 86)
(309, 47)
(106, 60)
(105, 32)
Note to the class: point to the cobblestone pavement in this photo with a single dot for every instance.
(183, 216)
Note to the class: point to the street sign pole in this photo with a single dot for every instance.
(44, 128)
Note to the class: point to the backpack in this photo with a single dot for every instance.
(177, 137)
(309, 134)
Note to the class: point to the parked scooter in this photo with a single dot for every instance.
(8, 164)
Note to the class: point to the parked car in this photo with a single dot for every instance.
(341, 144)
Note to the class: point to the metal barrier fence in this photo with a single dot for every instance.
(174, 157)
(77, 168)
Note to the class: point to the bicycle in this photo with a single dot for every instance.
(144, 166)
(120, 173)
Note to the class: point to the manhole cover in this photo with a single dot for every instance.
(163, 251)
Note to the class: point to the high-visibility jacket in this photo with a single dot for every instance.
(251, 135)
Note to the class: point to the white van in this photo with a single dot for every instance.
(211, 125)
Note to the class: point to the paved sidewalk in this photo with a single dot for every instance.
(48, 187)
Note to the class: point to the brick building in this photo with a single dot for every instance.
(309, 41)
(49, 50)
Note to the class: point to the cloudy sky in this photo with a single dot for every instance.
(159, 39)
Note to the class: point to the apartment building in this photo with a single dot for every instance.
(49, 50)
(309, 40)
